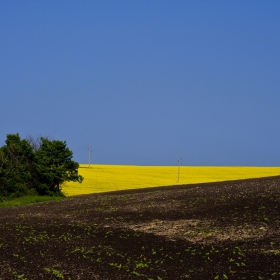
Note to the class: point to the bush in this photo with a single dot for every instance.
(42, 189)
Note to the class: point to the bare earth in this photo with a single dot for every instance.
(225, 230)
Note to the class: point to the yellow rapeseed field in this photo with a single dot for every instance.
(104, 178)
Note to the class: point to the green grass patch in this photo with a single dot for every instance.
(29, 199)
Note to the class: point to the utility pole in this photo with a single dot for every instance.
(179, 164)
(89, 156)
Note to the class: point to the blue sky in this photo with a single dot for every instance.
(145, 82)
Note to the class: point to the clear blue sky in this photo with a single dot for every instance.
(145, 82)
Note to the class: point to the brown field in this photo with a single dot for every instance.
(224, 230)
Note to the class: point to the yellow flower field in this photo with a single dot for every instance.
(104, 178)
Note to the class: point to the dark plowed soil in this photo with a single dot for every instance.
(228, 230)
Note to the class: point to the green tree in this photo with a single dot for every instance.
(16, 165)
(54, 166)
(40, 165)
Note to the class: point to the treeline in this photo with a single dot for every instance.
(35, 166)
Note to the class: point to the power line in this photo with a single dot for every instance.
(89, 156)
(179, 164)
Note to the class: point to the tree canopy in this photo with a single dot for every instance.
(41, 165)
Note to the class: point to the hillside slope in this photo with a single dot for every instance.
(225, 230)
